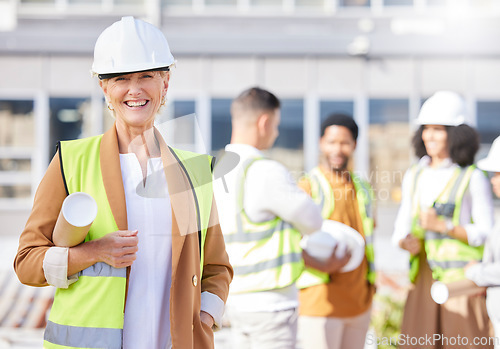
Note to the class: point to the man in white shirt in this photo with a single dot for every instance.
(262, 215)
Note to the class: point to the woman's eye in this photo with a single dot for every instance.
(147, 76)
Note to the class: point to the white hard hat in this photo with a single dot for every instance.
(333, 234)
(445, 108)
(130, 45)
(491, 163)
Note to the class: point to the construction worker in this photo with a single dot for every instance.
(153, 271)
(263, 214)
(335, 306)
(445, 216)
(487, 273)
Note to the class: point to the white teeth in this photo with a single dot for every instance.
(136, 104)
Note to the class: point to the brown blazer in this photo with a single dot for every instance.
(186, 328)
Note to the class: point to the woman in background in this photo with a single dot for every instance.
(487, 273)
(445, 216)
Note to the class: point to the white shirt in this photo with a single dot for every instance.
(477, 203)
(147, 310)
(269, 191)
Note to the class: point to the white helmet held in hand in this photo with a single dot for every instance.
(445, 108)
(491, 163)
(130, 45)
(320, 244)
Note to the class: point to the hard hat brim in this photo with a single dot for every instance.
(114, 75)
(489, 165)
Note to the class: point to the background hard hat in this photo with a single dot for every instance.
(320, 244)
(131, 45)
(491, 163)
(443, 108)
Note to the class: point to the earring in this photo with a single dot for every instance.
(110, 106)
(163, 101)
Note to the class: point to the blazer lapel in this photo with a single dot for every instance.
(182, 201)
(112, 177)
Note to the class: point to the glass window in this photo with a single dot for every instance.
(436, 2)
(178, 2)
(384, 111)
(389, 146)
(85, 2)
(38, 2)
(326, 108)
(354, 2)
(16, 123)
(221, 2)
(17, 132)
(289, 146)
(178, 125)
(267, 3)
(221, 123)
(66, 119)
(398, 2)
(129, 2)
(309, 3)
(488, 120)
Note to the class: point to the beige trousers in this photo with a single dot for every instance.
(333, 333)
(264, 330)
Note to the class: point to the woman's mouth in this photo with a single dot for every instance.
(136, 103)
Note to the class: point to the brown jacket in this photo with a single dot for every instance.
(186, 328)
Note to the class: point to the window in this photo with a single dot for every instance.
(16, 146)
(266, 3)
(221, 2)
(326, 108)
(390, 138)
(66, 120)
(383, 111)
(288, 148)
(488, 120)
(178, 124)
(355, 3)
(398, 2)
(221, 123)
(178, 2)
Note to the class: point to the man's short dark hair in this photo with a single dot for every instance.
(255, 100)
(340, 120)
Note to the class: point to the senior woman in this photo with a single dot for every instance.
(153, 271)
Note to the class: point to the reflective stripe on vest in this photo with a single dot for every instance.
(89, 313)
(264, 255)
(446, 256)
(322, 193)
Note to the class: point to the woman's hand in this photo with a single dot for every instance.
(429, 220)
(411, 244)
(207, 319)
(117, 249)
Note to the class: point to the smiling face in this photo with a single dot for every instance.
(435, 140)
(337, 146)
(136, 97)
(495, 182)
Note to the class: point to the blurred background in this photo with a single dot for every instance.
(377, 60)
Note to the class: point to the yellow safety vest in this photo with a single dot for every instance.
(322, 193)
(446, 256)
(264, 255)
(90, 312)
